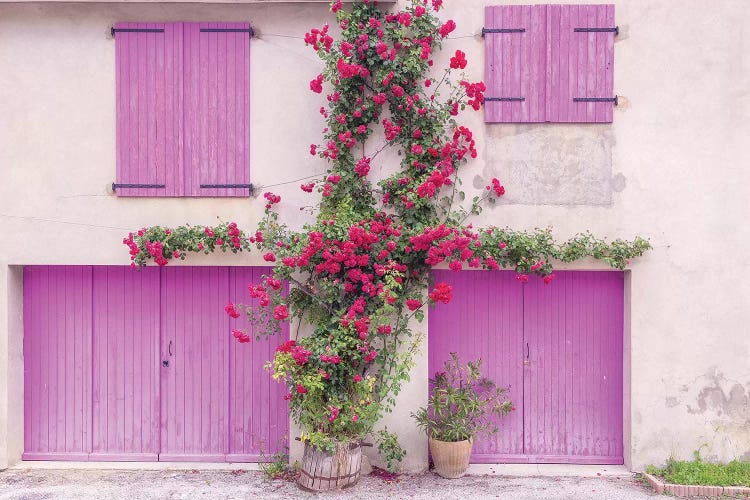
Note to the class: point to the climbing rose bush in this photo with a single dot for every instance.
(359, 274)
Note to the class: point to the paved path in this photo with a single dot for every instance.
(17, 484)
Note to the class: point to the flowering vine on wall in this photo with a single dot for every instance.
(360, 272)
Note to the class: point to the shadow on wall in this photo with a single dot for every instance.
(552, 165)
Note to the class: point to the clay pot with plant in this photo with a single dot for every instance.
(462, 405)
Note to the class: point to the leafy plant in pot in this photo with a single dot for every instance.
(462, 405)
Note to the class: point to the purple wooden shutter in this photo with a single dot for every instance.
(125, 361)
(57, 375)
(148, 69)
(217, 109)
(554, 68)
(581, 63)
(515, 63)
(258, 419)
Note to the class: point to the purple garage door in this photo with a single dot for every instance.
(558, 347)
(126, 365)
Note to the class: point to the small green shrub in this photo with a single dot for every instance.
(389, 449)
(698, 472)
(276, 466)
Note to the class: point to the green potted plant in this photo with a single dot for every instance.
(462, 405)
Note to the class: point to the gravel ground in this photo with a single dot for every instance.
(37, 484)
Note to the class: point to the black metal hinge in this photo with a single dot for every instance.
(595, 99)
(228, 30)
(505, 99)
(615, 30)
(136, 30)
(502, 30)
(228, 186)
(115, 186)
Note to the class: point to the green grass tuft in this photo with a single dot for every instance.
(698, 472)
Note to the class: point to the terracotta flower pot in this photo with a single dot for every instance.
(451, 459)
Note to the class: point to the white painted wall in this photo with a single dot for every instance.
(676, 158)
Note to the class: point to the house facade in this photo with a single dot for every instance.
(119, 115)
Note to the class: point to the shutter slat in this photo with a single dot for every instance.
(537, 39)
(217, 136)
(489, 63)
(582, 43)
(513, 107)
(601, 64)
(561, 96)
(590, 63)
(609, 63)
(191, 98)
(507, 68)
(521, 111)
(158, 140)
(554, 63)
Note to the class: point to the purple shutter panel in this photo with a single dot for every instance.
(148, 69)
(582, 63)
(253, 432)
(217, 109)
(515, 63)
(125, 361)
(57, 375)
(484, 320)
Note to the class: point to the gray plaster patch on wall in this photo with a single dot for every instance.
(552, 163)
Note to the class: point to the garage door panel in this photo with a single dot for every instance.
(561, 344)
(573, 382)
(484, 320)
(125, 364)
(546, 380)
(597, 318)
(57, 325)
(95, 385)
(253, 434)
(194, 385)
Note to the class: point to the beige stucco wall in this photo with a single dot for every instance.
(672, 167)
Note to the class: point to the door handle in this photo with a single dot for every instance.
(526, 361)
(165, 362)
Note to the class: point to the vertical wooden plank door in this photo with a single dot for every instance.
(254, 434)
(194, 372)
(484, 320)
(57, 372)
(573, 386)
(558, 346)
(141, 366)
(125, 364)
